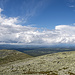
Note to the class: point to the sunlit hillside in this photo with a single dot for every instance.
(7, 56)
(62, 63)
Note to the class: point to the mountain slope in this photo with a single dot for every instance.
(11, 55)
(62, 63)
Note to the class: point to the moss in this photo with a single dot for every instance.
(42, 72)
(65, 68)
(59, 69)
(54, 61)
(13, 70)
(71, 73)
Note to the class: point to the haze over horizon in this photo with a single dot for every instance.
(37, 22)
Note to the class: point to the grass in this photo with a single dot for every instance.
(13, 56)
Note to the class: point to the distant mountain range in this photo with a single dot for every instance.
(8, 46)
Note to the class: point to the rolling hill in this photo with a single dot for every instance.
(11, 55)
(62, 63)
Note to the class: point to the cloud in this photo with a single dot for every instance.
(26, 9)
(72, 6)
(66, 34)
(3, 3)
(1, 10)
(71, 3)
(32, 8)
(12, 32)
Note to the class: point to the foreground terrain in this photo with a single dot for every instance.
(7, 56)
(62, 63)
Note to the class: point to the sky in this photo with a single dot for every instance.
(37, 22)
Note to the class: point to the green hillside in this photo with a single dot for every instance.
(11, 55)
(62, 63)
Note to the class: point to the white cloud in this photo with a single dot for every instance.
(71, 6)
(71, 3)
(1, 10)
(11, 32)
(32, 7)
(67, 34)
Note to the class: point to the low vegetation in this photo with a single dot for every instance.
(44, 51)
(62, 63)
(11, 55)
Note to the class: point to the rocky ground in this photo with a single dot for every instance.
(62, 63)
